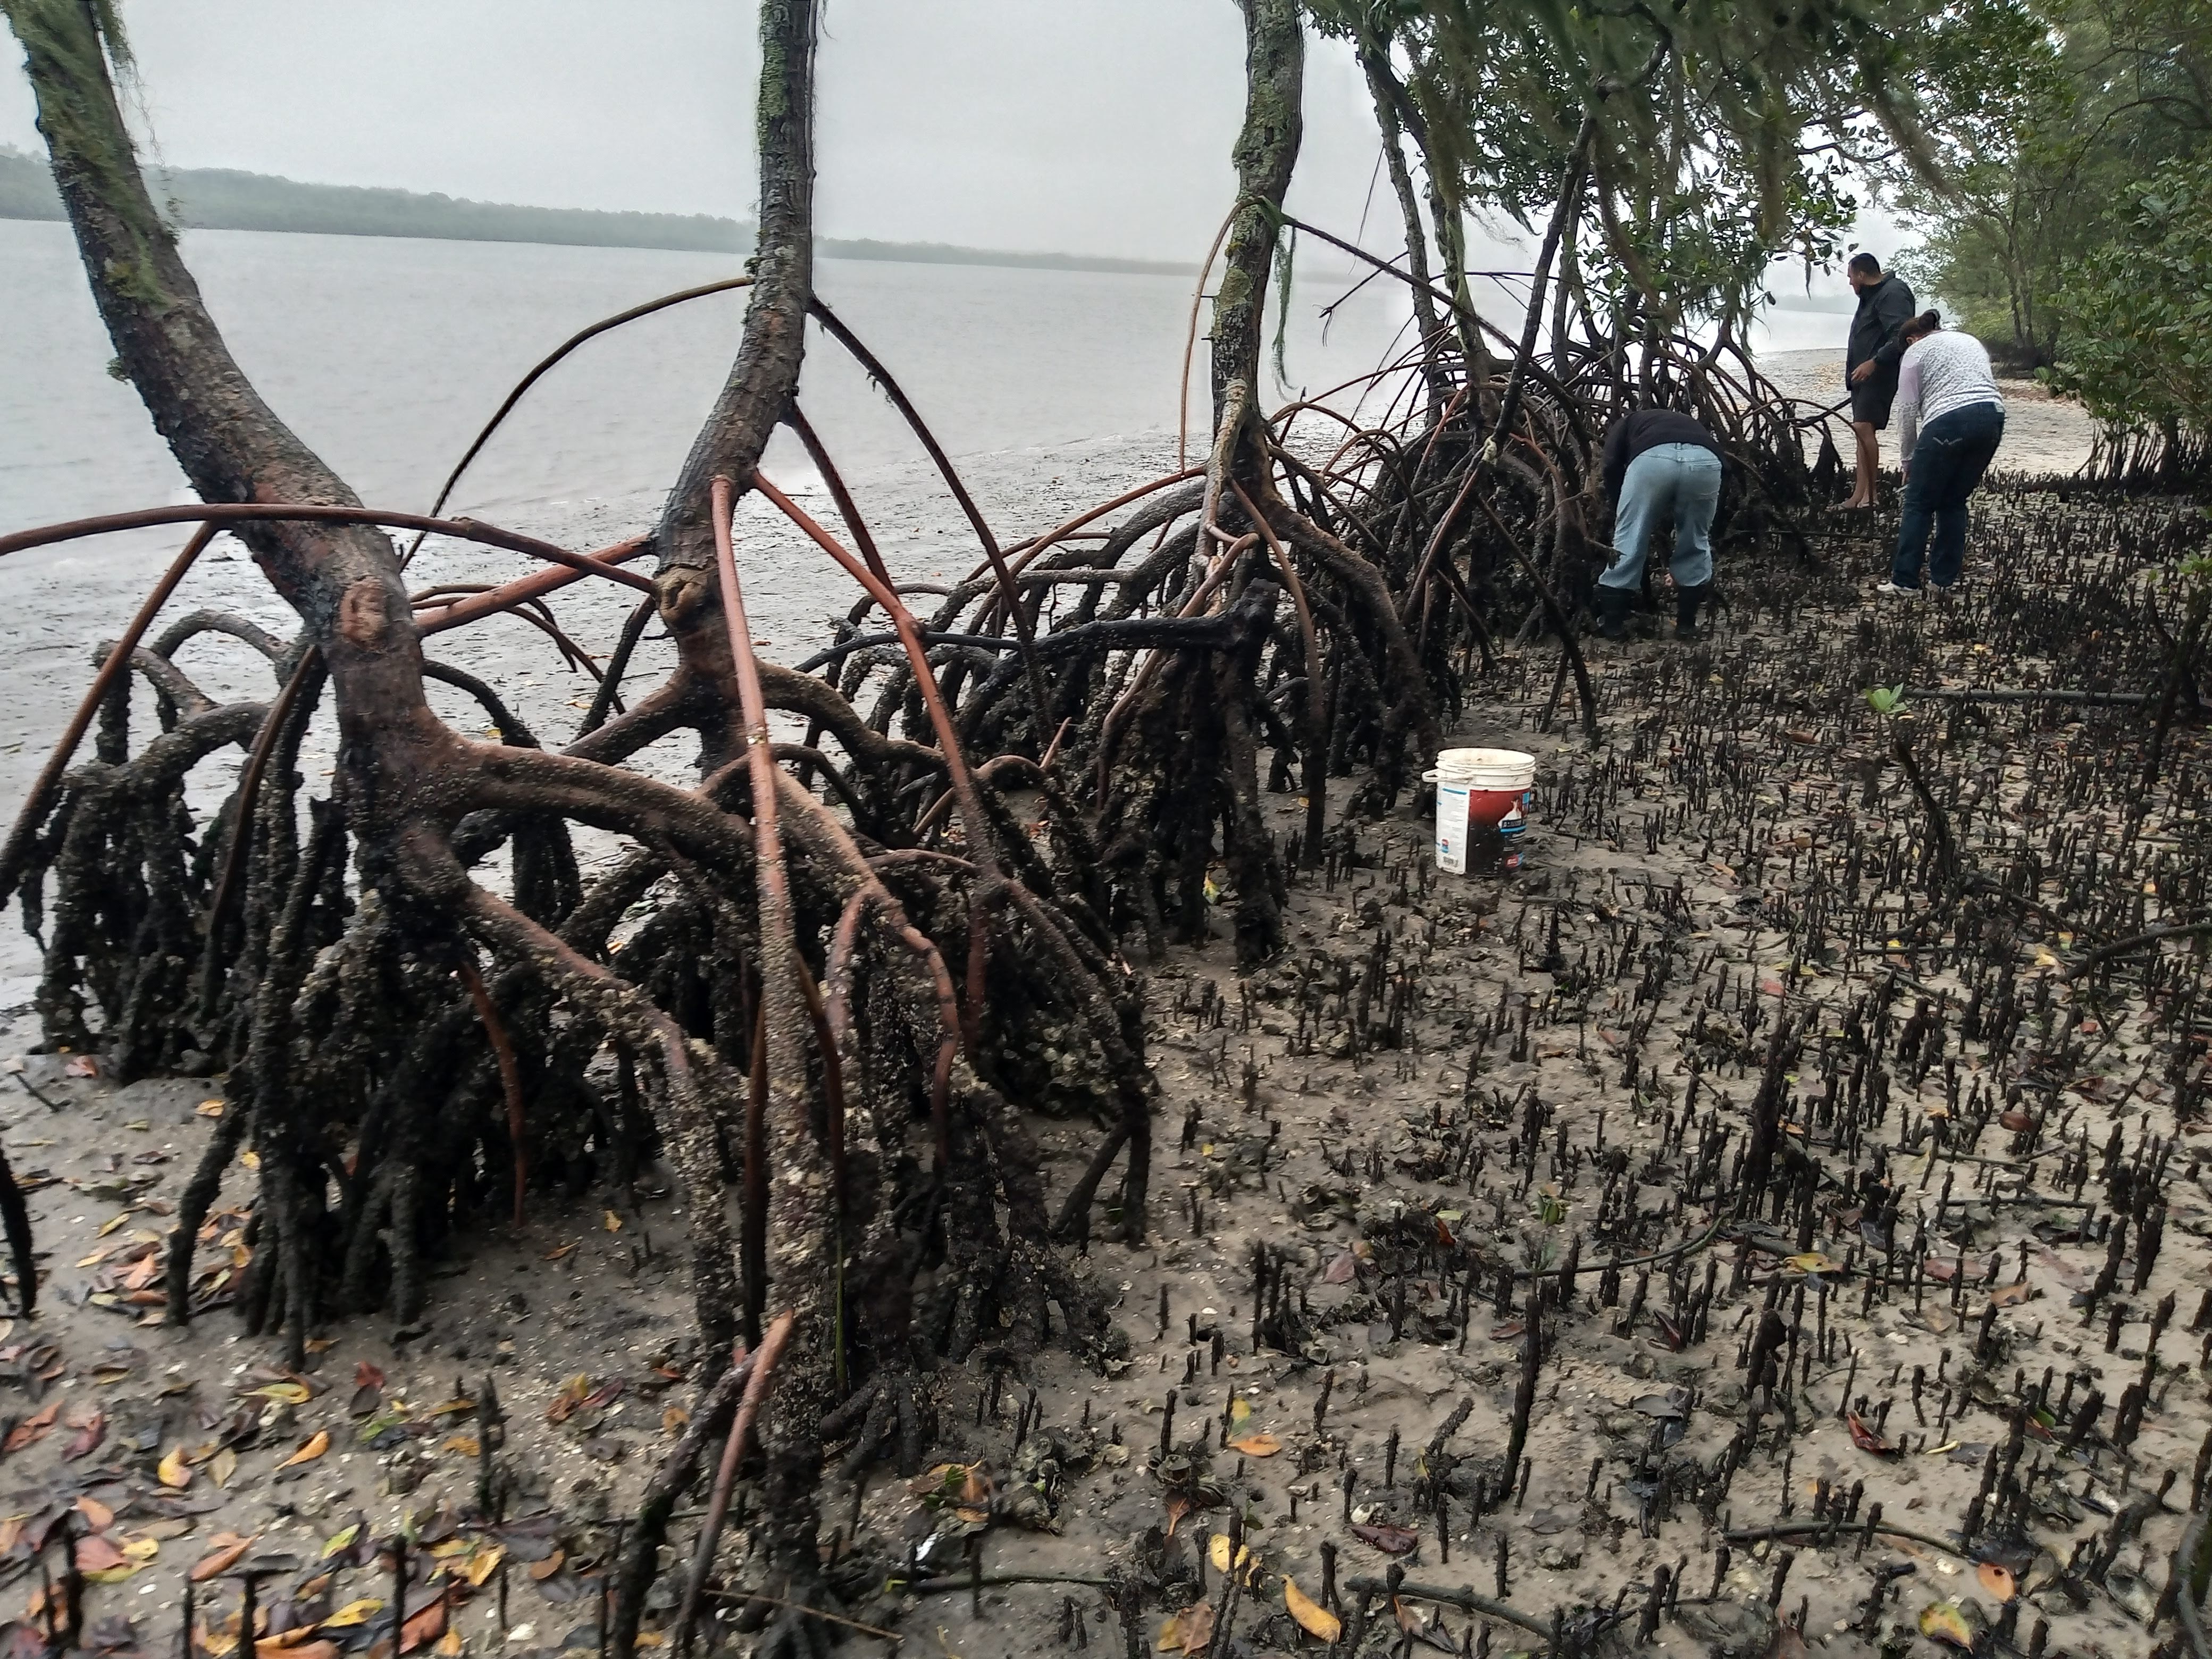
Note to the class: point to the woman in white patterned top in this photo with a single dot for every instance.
(1953, 418)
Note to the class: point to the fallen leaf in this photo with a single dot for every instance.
(97, 1515)
(30, 1430)
(427, 1625)
(221, 1559)
(1996, 1581)
(1178, 1507)
(354, 1613)
(366, 1376)
(612, 1223)
(2011, 1296)
(1812, 1261)
(675, 1421)
(85, 1440)
(142, 1549)
(173, 1472)
(284, 1394)
(95, 1552)
(1315, 1620)
(573, 1393)
(341, 1539)
(317, 1443)
(1190, 1631)
(208, 1109)
(1342, 1268)
(1217, 1552)
(1954, 1623)
(483, 1563)
(542, 1571)
(1257, 1445)
(221, 1467)
(1864, 1437)
(464, 1445)
(1390, 1540)
(557, 1252)
(81, 1066)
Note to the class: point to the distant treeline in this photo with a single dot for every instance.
(220, 199)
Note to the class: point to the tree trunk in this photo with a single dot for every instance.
(1266, 149)
(1374, 64)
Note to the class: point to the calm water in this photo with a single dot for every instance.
(386, 356)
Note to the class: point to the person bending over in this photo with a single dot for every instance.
(1658, 463)
(1870, 364)
(1954, 417)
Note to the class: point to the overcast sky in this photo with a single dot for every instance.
(1095, 126)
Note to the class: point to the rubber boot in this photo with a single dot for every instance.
(1686, 601)
(1612, 606)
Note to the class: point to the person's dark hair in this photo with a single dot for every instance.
(1925, 324)
(1866, 265)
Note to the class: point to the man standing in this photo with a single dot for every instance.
(1870, 360)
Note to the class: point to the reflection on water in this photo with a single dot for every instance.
(386, 356)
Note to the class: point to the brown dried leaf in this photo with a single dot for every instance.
(1996, 1581)
(229, 1550)
(2011, 1296)
(317, 1444)
(542, 1571)
(96, 1552)
(1178, 1507)
(1864, 1437)
(1189, 1630)
(30, 1430)
(1390, 1539)
(85, 1440)
(1257, 1445)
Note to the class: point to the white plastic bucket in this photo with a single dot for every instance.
(1481, 792)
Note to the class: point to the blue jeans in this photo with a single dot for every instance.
(1953, 451)
(1681, 479)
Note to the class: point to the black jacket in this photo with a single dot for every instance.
(1878, 326)
(1647, 428)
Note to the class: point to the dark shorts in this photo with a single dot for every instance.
(1870, 403)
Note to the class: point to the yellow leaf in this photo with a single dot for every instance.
(173, 1472)
(1257, 1445)
(142, 1549)
(112, 1223)
(1949, 1623)
(316, 1445)
(1239, 1409)
(111, 1575)
(1315, 1620)
(613, 1222)
(1812, 1261)
(483, 1563)
(342, 1540)
(452, 1547)
(450, 1408)
(222, 1466)
(251, 1160)
(285, 1394)
(352, 1613)
(1217, 1552)
(675, 1421)
(449, 1645)
(210, 1108)
(465, 1444)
